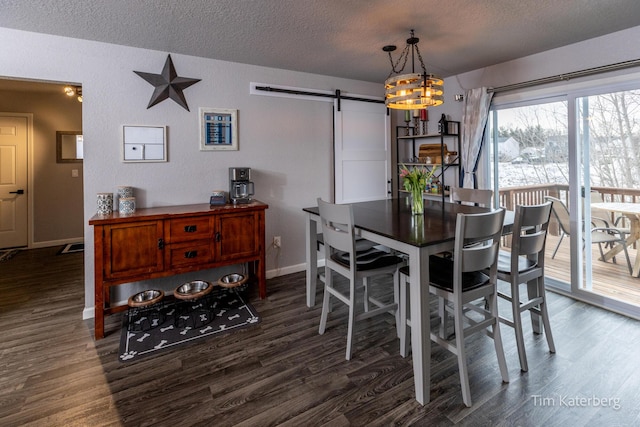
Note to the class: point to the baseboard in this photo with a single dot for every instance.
(60, 242)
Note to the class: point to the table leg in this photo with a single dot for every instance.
(311, 236)
(420, 323)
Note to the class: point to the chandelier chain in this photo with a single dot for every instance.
(405, 55)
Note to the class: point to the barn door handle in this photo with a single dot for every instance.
(17, 192)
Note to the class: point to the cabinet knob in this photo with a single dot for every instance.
(218, 236)
(191, 254)
(190, 228)
(160, 244)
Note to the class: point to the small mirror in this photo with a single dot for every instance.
(69, 147)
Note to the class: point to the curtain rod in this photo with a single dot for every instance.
(567, 76)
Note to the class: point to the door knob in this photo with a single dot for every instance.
(17, 192)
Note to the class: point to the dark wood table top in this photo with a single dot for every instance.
(392, 218)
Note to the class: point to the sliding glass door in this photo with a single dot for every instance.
(608, 129)
(581, 150)
(529, 162)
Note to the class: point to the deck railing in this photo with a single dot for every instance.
(535, 194)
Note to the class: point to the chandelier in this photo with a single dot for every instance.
(413, 91)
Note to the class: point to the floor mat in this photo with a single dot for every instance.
(229, 312)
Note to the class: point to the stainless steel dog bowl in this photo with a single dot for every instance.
(145, 298)
(193, 289)
(232, 280)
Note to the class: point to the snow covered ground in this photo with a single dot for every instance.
(522, 174)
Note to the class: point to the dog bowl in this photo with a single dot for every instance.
(193, 289)
(232, 280)
(145, 298)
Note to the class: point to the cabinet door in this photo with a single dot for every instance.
(133, 249)
(238, 236)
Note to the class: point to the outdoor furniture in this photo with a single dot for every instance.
(631, 211)
(599, 235)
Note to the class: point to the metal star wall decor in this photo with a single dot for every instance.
(168, 85)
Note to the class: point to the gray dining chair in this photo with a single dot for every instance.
(524, 265)
(471, 196)
(341, 257)
(468, 286)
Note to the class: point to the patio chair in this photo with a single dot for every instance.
(599, 235)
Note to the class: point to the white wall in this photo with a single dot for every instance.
(286, 142)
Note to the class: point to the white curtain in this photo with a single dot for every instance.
(474, 120)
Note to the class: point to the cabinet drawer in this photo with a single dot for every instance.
(189, 229)
(189, 253)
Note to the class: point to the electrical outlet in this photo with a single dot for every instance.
(276, 241)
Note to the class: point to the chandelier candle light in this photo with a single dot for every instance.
(415, 182)
(412, 91)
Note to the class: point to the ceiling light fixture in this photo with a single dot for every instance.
(73, 91)
(413, 91)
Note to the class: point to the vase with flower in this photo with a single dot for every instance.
(415, 182)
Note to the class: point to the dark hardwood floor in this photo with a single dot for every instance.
(281, 372)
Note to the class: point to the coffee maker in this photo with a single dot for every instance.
(240, 185)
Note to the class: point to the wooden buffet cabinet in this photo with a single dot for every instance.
(164, 241)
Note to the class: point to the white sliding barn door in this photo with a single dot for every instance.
(362, 150)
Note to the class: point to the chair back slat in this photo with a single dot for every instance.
(337, 226)
(471, 196)
(530, 228)
(477, 243)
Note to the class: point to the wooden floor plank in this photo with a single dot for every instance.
(282, 372)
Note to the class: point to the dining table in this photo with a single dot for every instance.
(390, 223)
(632, 212)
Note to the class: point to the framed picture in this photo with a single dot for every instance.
(218, 129)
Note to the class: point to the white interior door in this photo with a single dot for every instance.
(13, 182)
(362, 148)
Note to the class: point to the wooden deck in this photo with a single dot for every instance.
(608, 279)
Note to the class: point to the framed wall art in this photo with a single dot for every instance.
(218, 129)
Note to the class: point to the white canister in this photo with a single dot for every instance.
(125, 191)
(127, 205)
(105, 203)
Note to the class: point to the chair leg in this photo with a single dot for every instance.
(352, 319)
(326, 302)
(365, 284)
(558, 245)
(497, 337)
(444, 318)
(545, 315)
(396, 300)
(517, 326)
(404, 310)
(461, 353)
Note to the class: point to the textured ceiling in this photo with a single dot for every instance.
(342, 38)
